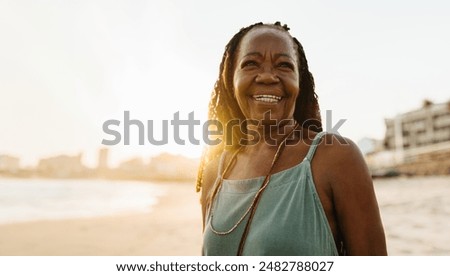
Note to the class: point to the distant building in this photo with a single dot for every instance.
(133, 168)
(62, 166)
(103, 167)
(416, 142)
(103, 159)
(369, 145)
(429, 125)
(9, 164)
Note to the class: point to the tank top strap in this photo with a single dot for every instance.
(314, 144)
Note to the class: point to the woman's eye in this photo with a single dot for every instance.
(286, 65)
(249, 63)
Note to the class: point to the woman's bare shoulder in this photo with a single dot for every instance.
(340, 159)
(331, 143)
(340, 149)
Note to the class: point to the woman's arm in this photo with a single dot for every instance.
(355, 204)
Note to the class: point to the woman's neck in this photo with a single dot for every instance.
(269, 135)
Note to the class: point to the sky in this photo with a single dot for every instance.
(68, 66)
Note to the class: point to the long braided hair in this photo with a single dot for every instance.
(224, 108)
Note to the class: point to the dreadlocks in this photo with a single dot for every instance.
(223, 107)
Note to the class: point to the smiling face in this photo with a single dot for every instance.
(266, 77)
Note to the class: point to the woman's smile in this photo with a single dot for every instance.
(267, 98)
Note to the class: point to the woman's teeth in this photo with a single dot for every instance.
(267, 98)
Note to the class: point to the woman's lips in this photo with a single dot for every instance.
(267, 98)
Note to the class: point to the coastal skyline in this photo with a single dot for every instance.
(163, 167)
(66, 68)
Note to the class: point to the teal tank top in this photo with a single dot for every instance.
(289, 219)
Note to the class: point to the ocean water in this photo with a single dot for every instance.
(49, 199)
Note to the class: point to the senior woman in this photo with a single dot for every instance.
(277, 184)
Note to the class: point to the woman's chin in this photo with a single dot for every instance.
(262, 121)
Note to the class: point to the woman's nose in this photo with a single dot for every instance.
(267, 76)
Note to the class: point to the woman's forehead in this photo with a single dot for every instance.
(262, 39)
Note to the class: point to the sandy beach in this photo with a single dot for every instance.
(416, 215)
(415, 212)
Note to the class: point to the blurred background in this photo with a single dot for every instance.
(67, 67)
